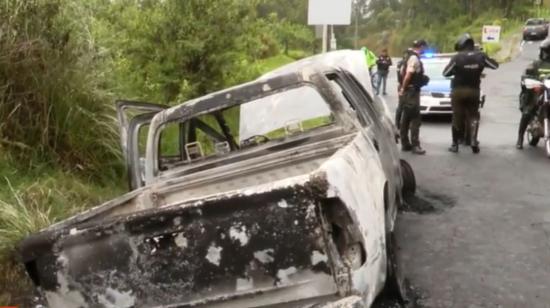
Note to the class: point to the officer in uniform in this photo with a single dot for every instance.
(413, 79)
(528, 98)
(400, 63)
(467, 68)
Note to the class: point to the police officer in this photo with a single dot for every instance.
(413, 79)
(528, 98)
(467, 68)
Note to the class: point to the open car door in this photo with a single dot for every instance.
(132, 117)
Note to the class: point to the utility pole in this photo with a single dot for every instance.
(325, 38)
(356, 43)
(333, 44)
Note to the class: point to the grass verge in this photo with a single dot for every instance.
(31, 200)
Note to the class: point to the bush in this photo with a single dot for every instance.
(52, 106)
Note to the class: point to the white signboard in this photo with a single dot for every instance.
(329, 12)
(490, 34)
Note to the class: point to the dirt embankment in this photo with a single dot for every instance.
(509, 48)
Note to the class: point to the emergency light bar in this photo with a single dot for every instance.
(430, 55)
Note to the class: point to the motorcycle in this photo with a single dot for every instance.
(539, 127)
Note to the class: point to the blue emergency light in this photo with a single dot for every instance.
(430, 53)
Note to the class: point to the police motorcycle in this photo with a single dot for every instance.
(539, 127)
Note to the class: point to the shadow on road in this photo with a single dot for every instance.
(437, 119)
(426, 202)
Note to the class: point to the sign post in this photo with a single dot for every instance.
(325, 37)
(490, 34)
(329, 12)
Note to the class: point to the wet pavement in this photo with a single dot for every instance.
(478, 232)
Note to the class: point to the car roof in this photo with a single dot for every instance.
(287, 76)
(334, 59)
(352, 61)
(438, 59)
(535, 19)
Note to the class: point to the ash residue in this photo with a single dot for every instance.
(415, 298)
(426, 202)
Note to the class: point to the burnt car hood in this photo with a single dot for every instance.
(200, 253)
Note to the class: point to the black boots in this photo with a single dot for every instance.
(454, 146)
(523, 123)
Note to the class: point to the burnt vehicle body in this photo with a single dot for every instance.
(293, 205)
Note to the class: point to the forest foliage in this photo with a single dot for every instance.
(63, 63)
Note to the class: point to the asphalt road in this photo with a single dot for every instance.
(484, 240)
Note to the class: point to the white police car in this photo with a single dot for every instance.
(435, 97)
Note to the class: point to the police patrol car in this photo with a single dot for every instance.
(435, 97)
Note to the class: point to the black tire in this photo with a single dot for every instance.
(533, 141)
(409, 180)
(395, 285)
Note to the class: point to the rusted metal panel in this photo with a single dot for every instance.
(191, 254)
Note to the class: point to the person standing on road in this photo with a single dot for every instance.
(413, 80)
(528, 98)
(467, 68)
(399, 109)
(383, 67)
(370, 58)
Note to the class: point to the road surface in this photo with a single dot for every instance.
(485, 238)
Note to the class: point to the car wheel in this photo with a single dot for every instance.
(533, 141)
(409, 180)
(395, 285)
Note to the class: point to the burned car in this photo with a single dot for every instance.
(281, 192)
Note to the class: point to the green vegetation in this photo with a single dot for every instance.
(395, 24)
(64, 62)
(304, 125)
(31, 199)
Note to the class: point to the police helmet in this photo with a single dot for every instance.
(465, 42)
(544, 53)
(420, 44)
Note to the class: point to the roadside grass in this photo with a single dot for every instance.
(31, 200)
(269, 64)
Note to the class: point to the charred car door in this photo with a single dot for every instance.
(381, 137)
(134, 116)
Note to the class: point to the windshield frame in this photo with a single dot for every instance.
(237, 96)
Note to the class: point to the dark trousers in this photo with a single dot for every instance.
(399, 113)
(528, 106)
(382, 78)
(465, 102)
(410, 118)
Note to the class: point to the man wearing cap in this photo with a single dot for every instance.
(409, 95)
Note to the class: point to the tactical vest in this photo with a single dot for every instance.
(418, 79)
(468, 70)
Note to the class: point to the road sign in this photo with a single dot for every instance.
(329, 12)
(490, 34)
